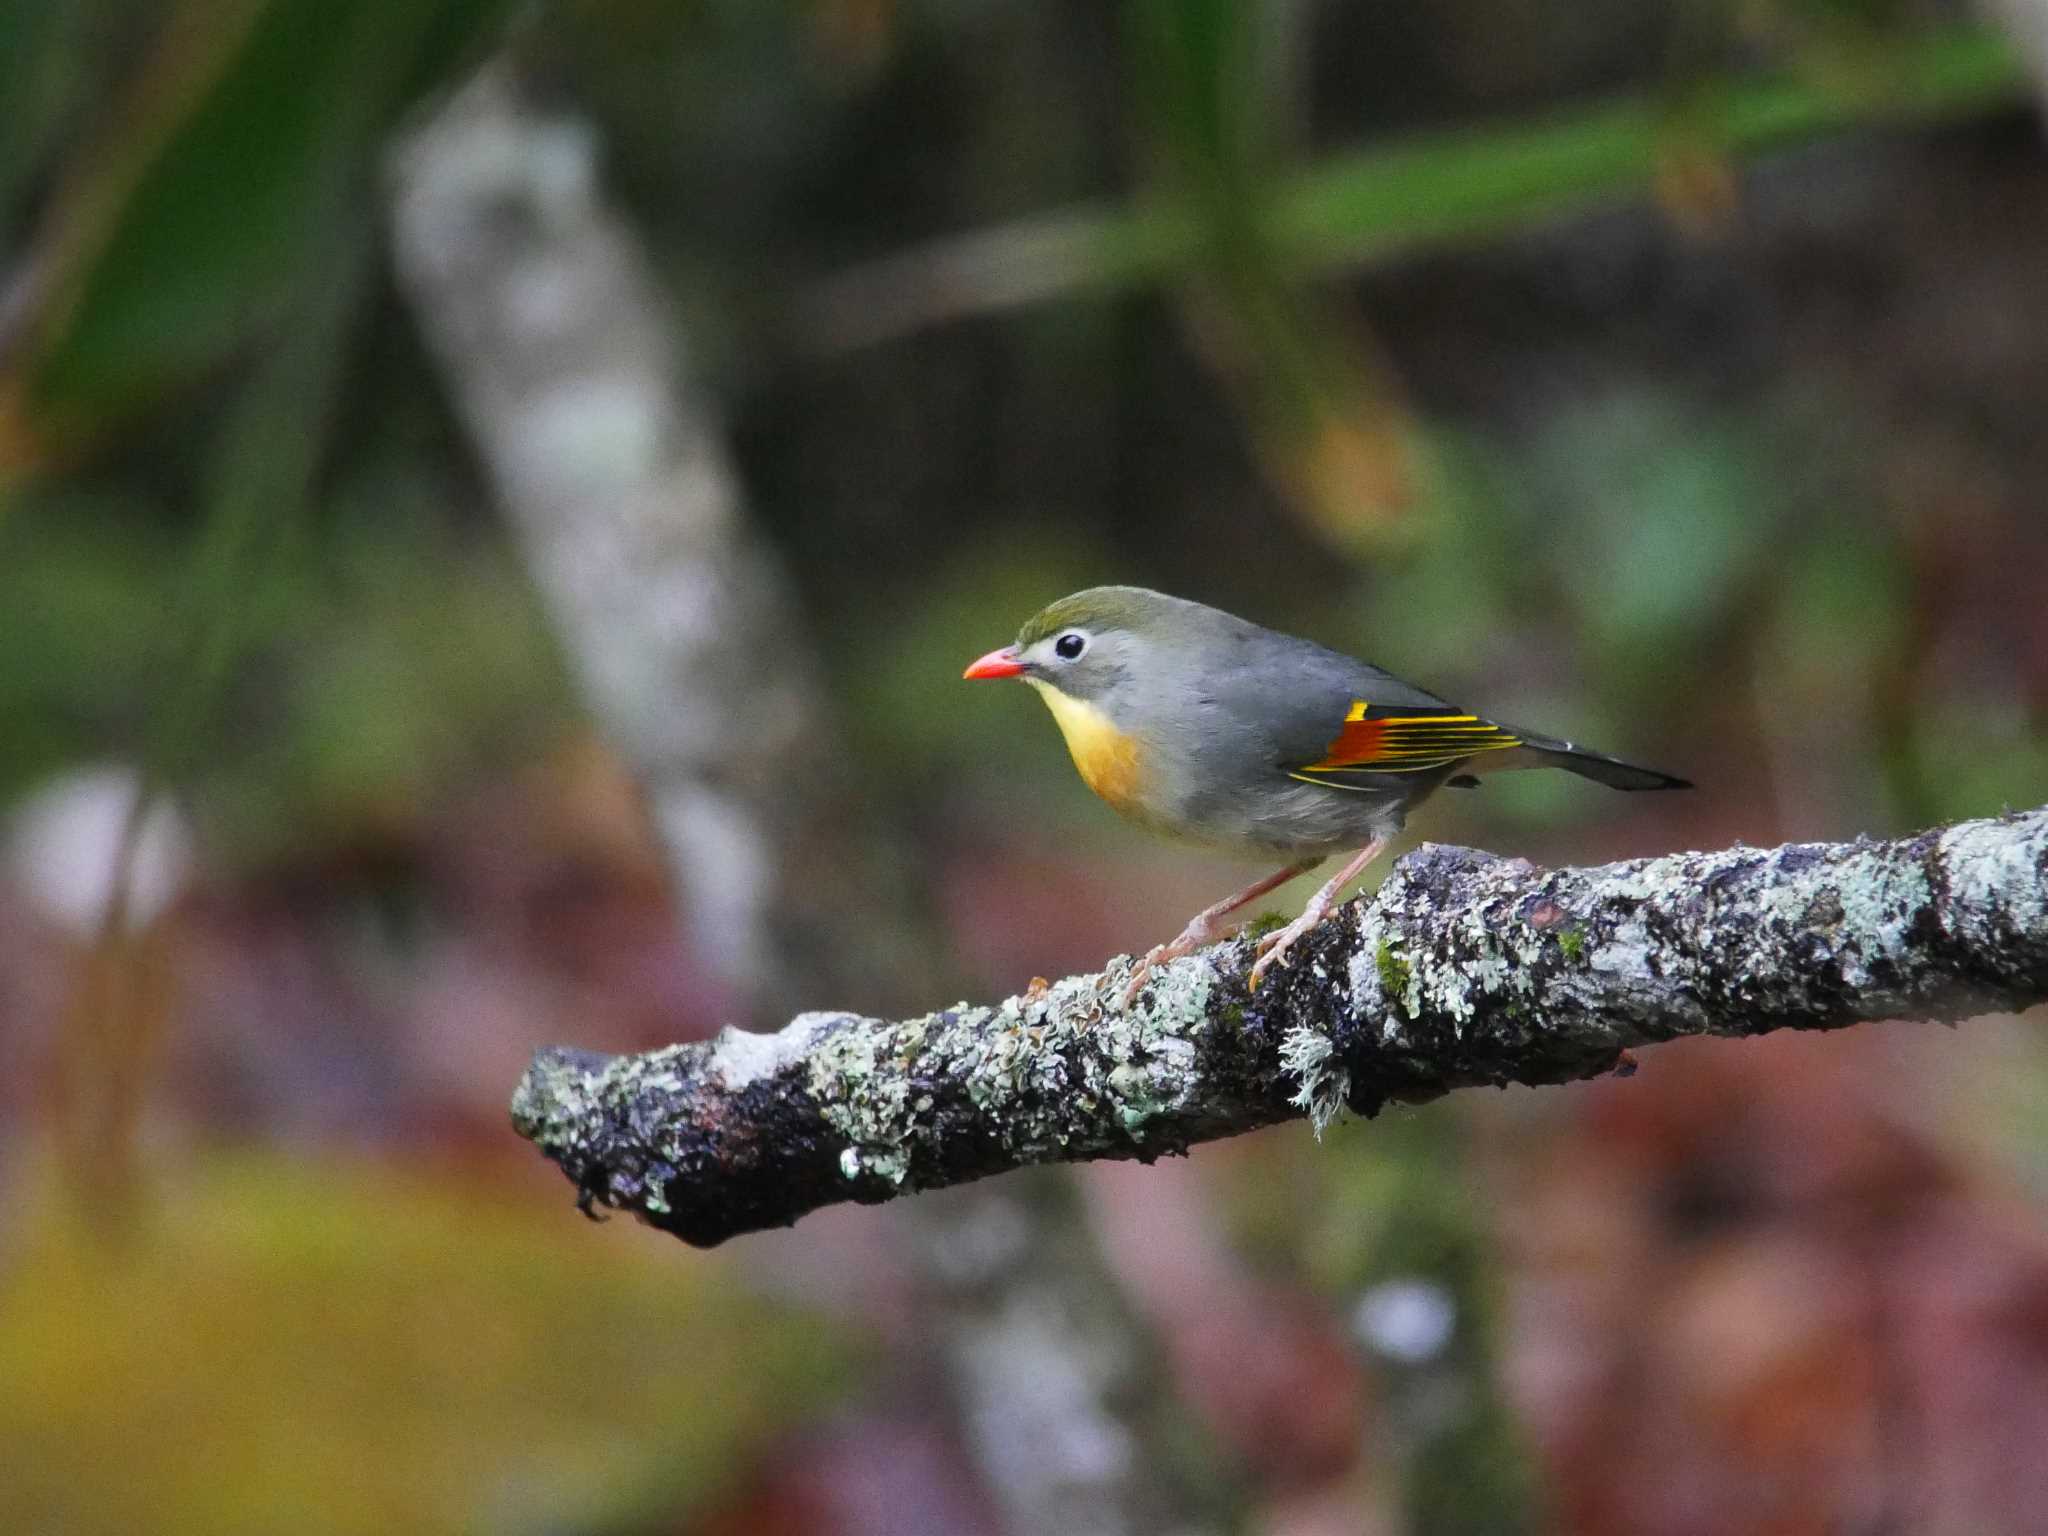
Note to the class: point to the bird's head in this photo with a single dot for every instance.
(1088, 646)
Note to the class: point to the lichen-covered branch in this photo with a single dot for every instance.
(1463, 969)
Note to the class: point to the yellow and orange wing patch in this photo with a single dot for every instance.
(1394, 739)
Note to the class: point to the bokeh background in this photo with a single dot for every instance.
(494, 501)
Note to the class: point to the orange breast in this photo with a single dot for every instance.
(1111, 763)
(1109, 766)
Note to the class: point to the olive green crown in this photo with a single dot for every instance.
(1096, 609)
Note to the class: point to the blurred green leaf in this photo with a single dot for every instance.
(260, 476)
(1470, 565)
(1842, 605)
(252, 135)
(1197, 67)
(397, 665)
(262, 468)
(80, 580)
(1482, 180)
(1321, 410)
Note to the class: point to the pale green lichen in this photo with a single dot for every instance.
(1369, 990)
(1473, 965)
(1994, 872)
(1488, 969)
(864, 1097)
(1446, 991)
(1052, 1072)
(1879, 904)
(554, 1105)
(1310, 1058)
(539, 1098)
(893, 1166)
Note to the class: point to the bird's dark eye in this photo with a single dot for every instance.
(1069, 645)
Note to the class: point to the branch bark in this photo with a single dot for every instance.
(1463, 969)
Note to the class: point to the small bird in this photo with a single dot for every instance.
(1211, 730)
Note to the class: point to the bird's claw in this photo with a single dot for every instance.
(1273, 947)
(1141, 971)
(1191, 938)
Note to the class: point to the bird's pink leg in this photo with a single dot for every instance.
(1206, 926)
(1274, 946)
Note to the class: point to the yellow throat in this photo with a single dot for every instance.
(1106, 757)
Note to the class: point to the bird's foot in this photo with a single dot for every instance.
(1203, 930)
(1208, 925)
(1141, 972)
(1274, 946)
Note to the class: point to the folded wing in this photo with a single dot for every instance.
(1372, 740)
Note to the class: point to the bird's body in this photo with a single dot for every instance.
(1212, 730)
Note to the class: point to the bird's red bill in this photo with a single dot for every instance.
(997, 663)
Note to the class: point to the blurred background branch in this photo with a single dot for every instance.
(568, 371)
(2027, 23)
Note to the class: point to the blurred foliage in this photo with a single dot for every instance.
(246, 150)
(201, 221)
(1214, 78)
(352, 1348)
(1478, 182)
(1481, 180)
(384, 662)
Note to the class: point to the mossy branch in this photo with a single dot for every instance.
(1463, 969)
